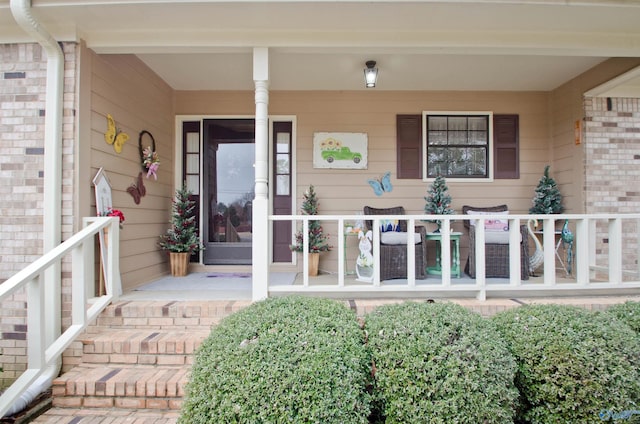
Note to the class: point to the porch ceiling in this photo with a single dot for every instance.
(322, 45)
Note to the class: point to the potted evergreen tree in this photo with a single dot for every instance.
(317, 239)
(438, 200)
(181, 239)
(547, 199)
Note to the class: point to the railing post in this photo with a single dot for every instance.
(78, 288)
(341, 252)
(615, 251)
(376, 251)
(515, 275)
(593, 257)
(637, 249)
(112, 284)
(445, 251)
(305, 251)
(549, 246)
(481, 278)
(411, 253)
(36, 343)
(583, 241)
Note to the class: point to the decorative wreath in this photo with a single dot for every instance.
(149, 155)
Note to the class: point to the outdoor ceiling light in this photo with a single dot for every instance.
(370, 74)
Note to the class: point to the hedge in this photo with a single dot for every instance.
(629, 312)
(291, 359)
(439, 363)
(574, 366)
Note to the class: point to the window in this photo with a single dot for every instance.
(506, 145)
(457, 145)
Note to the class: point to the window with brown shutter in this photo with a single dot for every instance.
(506, 151)
(409, 146)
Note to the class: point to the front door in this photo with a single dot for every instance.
(229, 180)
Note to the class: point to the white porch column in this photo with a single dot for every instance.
(260, 245)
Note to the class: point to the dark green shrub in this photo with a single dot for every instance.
(628, 312)
(573, 364)
(292, 359)
(439, 363)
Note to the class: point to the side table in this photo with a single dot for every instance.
(455, 254)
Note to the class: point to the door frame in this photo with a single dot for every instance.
(178, 167)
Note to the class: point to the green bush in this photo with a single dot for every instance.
(573, 364)
(439, 363)
(292, 359)
(628, 312)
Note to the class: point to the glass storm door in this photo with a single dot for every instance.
(229, 180)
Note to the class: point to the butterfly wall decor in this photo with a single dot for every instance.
(115, 136)
(137, 191)
(381, 185)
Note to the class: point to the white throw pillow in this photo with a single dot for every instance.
(473, 221)
(397, 237)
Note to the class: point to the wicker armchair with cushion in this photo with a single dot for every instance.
(496, 246)
(393, 246)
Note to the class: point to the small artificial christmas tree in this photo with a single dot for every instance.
(183, 234)
(438, 200)
(547, 199)
(317, 239)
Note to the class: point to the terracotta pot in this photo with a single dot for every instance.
(179, 263)
(314, 259)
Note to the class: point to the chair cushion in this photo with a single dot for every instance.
(400, 237)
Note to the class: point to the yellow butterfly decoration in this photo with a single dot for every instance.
(114, 135)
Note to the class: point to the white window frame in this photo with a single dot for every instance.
(490, 154)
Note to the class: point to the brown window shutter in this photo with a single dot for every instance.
(409, 146)
(506, 147)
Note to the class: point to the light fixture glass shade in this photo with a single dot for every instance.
(370, 74)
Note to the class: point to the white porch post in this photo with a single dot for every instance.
(260, 245)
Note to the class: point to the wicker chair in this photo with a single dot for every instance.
(393, 258)
(496, 255)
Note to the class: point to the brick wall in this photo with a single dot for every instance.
(23, 69)
(612, 155)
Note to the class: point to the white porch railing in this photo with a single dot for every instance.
(42, 354)
(606, 249)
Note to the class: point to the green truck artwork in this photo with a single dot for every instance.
(340, 153)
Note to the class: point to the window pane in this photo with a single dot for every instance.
(282, 185)
(437, 137)
(193, 184)
(457, 137)
(437, 162)
(457, 123)
(478, 161)
(282, 163)
(478, 123)
(193, 163)
(478, 137)
(282, 143)
(437, 123)
(193, 142)
(458, 164)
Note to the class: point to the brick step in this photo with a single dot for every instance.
(106, 416)
(166, 314)
(141, 346)
(125, 387)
